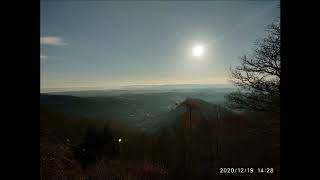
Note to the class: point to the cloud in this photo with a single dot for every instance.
(52, 40)
(43, 57)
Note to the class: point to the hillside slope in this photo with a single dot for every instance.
(145, 111)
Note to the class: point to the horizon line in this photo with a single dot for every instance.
(123, 87)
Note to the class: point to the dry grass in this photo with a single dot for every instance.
(57, 163)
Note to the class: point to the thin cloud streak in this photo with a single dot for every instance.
(43, 57)
(52, 40)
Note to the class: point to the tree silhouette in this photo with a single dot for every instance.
(191, 105)
(97, 144)
(258, 75)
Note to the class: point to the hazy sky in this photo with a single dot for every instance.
(110, 44)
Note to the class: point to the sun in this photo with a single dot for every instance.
(197, 51)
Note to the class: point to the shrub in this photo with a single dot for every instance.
(97, 144)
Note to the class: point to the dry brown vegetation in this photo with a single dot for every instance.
(56, 162)
(235, 140)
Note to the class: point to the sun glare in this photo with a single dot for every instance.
(197, 51)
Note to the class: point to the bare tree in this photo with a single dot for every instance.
(258, 75)
(191, 105)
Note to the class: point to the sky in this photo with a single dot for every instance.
(106, 44)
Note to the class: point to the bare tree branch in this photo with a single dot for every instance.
(258, 75)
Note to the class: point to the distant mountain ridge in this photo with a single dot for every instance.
(147, 111)
(164, 87)
(190, 91)
(179, 86)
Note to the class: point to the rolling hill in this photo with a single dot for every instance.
(147, 111)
